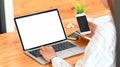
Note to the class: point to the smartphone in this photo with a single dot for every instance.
(83, 24)
(73, 36)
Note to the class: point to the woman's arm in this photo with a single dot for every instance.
(59, 62)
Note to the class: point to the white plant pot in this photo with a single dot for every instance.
(78, 15)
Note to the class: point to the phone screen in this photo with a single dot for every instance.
(83, 23)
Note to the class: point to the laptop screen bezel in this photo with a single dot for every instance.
(36, 14)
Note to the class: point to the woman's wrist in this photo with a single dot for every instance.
(52, 59)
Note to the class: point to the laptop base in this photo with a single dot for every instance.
(62, 54)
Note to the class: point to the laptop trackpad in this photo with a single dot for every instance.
(70, 52)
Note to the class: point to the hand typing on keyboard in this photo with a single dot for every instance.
(47, 52)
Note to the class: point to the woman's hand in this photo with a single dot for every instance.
(47, 52)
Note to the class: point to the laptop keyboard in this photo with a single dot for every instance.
(35, 53)
(62, 46)
(57, 47)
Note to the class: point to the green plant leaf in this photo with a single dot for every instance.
(80, 8)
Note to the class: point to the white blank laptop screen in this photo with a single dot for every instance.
(40, 29)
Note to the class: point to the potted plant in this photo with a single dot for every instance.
(81, 18)
(80, 8)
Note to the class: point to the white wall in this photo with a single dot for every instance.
(9, 15)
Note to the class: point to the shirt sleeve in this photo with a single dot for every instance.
(100, 52)
(59, 62)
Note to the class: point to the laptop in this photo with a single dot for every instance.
(44, 29)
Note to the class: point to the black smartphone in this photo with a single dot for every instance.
(73, 36)
(83, 24)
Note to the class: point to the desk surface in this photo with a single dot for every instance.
(11, 53)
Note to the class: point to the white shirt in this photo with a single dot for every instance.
(100, 51)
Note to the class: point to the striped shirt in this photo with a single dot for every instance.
(100, 51)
